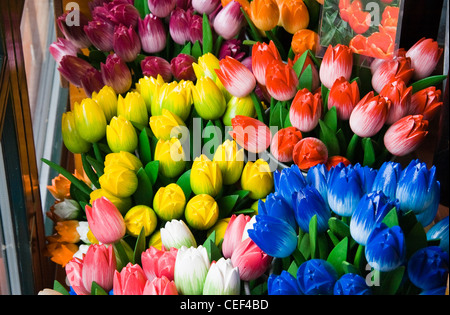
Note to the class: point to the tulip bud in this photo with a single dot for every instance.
(316, 276)
(205, 6)
(222, 279)
(159, 263)
(124, 159)
(209, 101)
(202, 212)
(257, 178)
(250, 133)
(105, 221)
(235, 77)
(116, 74)
(161, 8)
(176, 233)
(122, 204)
(283, 143)
(101, 34)
(232, 48)
(140, 217)
(426, 102)
(181, 67)
(167, 125)
(306, 110)
(74, 32)
(233, 234)
(294, 15)
(130, 280)
(337, 62)
(229, 21)
(179, 24)
(99, 265)
(230, 161)
(160, 286)
(175, 97)
(283, 284)
(171, 157)
(425, 55)
(344, 96)
(90, 120)
(119, 181)
(73, 68)
(206, 66)
(153, 66)
(196, 29)
(61, 48)
(242, 106)
(303, 40)
(169, 202)
(92, 81)
(133, 108)
(206, 176)
(149, 87)
(107, 99)
(250, 260)
(74, 270)
(264, 14)
(400, 96)
(308, 203)
(191, 267)
(67, 209)
(309, 152)
(123, 12)
(281, 81)
(121, 135)
(351, 284)
(398, 68)
(406, 135)
(152, 34)
(262, 56)
(71, 137)
(126, 43)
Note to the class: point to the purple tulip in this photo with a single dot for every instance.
(196, 29)
(205, 6)
(182, 69)
(92, 81)
(73, 30)
(229, 21)
(123, 13)
(184, 4)
(101, 34)
(232, 48)
(152, 66)
(161, 8)
(61, 48)
(126, 43)
(179, 24)
(73, 69)
(116, 74)
(152, 34)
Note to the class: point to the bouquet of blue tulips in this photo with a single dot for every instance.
(354, 230)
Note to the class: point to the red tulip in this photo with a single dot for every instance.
(237, 79)
(283, 143)
(130, 280)
(309, 152)
(281, 80)
(160, 286)
(343, 96)
(251, 261)
(337, 62)
(426, 102)
(306, 110)
(425, 55)
(262, 55)
(369, 115)
(400, 97)
(359, 20)
(336, 160)
(406, 135)
(250, 133)
(399, 68)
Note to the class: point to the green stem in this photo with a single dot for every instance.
(258, 106)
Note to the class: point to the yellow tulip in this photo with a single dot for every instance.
(202, 212)
(205, 66)
(133, 108)
(90, 120)
(121, 135)
(107, 99)
(171, 157)
(238, 106)
(175, 97)
(257, 178)
(119, 181)
(206, 176)
(125, 159)
(209, 101)
(139, 217)
(155, 240)
(122, 204)
(149, 87)
(230, 161)
(167, 125)
(71, 138)
(169, 202)
(220, 227)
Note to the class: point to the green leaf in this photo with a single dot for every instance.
(278, 115)
(144, 191)
(369, 152)
(98, 166)
(305, 246)
(293, 268)
(325, 92)
(415, 239)
(338, 255)
(139, 247)
(97, 289)
(390, 281)
(339, 228)
(142, 7)
(87, 167)
(298, 65)
(145, 152)
(298, 257)
(258, 106)
(58, 287)
(349, 268)
(329, 138)
(207, 35)
(306, 79)
(187, 49)
(391, 218)
(351, 149)
(123, 252)
(184, 181)
(253, 30)
(213, 250)
(226, 205)
(322, 242)
(331, 120)
(313, 236)
(152, 169)
(427, 82)
(196, 50)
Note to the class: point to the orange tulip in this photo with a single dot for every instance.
(250, 133)
(60, 188)
(244, 4)
(309, 152)
(426, 102)
(400, 96)
(344, 96)
(337, 62)
(61, 253)
(306, 110)
(283, 143)
(406, 135)
(67, 231)
(381, 45)
(294, 15)
(303, 40)
(359, 44)
(262, 55)
(264, 14)
(359, 21)
(281, 81)
(389, 16)
(335, 160)
(344, 7)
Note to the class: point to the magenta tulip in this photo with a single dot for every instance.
(72, 25)
(123, 13)
(161, 8)
(152, 34)
(73, 69)
(229, 21)
(101, 34)
(116, 74)
(92, 81)
(126, 43)
(205, 6)
(179, 26)
(62, 47)
(181, 67)
(152, 66)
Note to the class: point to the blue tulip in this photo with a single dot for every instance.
(387, 178)
(440, 231)
(385, 248)
(288, 181)
(276, 206)
(428, 268)
(344, 190)
(351, 284)
(427, 216)
(367, 176)
(307, 203)
(417, 187)
(316, 277)
(371, 209)
(283, 284)
(317, 177)
(273, 236)
(436, 291)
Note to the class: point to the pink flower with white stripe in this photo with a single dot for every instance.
(425, 55)
(406, 135)
(337, 62)
(235, 77)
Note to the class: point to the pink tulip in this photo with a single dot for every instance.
(74, 30)
(181, 67)
(425, 55)
(251, 261)
(126, 43)
(337, 62)
(160, 286)
(130, 281)
(99, 265)
(152, 34)
(161, 8)
(406, 135)
(179, 23)
(73, 69)
(120, 12)
(116, 74)
(105, 221)
(61, 48)
(426, 102)
(306, 110)
(229, 21)
(101, 34)
(235, 77)
(400, 96)
(152, 66)
(233, 234)
(196, 29)
(205, 6)
(369, 115)
(74, 270)
(232, 48)
(158, 263)
(398, 68)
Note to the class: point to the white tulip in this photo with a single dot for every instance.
(222, 279)
(191, 267)
(176, 234)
